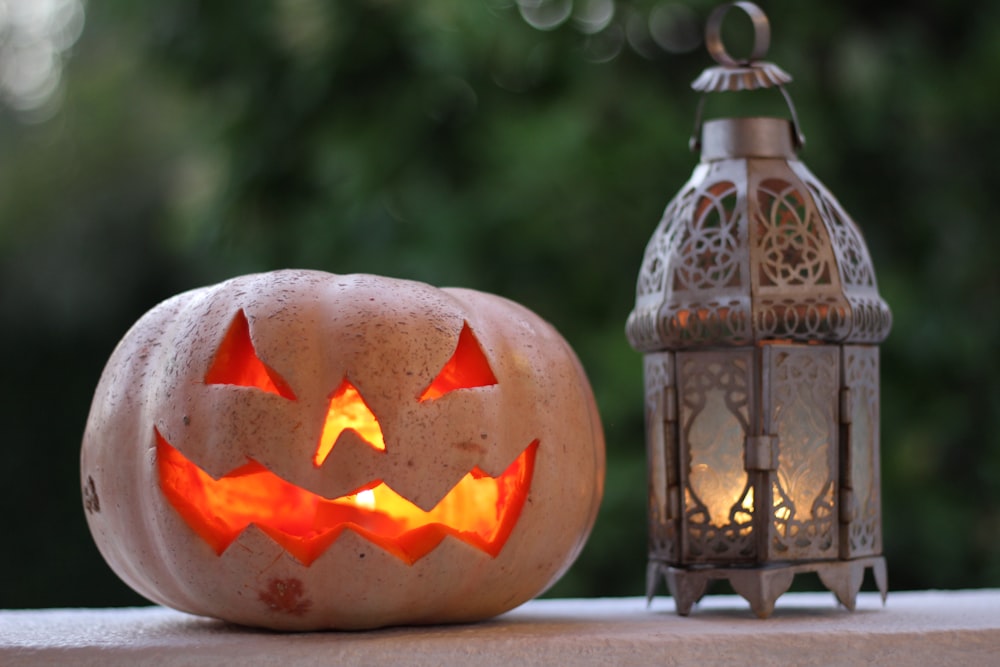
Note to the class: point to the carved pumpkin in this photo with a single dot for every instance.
(301, 450)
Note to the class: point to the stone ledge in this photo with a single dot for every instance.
(915, 628)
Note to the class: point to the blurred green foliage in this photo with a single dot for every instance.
(452, 142)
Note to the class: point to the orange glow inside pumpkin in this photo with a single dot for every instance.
(480, 510)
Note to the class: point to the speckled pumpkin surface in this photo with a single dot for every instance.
(301, 450)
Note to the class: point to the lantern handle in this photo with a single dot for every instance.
(751, 73)
(761, 34)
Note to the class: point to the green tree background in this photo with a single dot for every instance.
(458, 142)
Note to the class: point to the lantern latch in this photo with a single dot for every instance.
(761, 452)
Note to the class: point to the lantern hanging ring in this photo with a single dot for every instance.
(761, 34)
(751, 73)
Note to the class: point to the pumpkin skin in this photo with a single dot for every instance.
(160, 394)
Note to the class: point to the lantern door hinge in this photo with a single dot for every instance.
(847, 505)
(846, 403)
(669, 405)
(673, 503)
(761, 452)
(670, 426)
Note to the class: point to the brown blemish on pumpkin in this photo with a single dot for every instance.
(467, 446)
(285, 595)
(91, 502)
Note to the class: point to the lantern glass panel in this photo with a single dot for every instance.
(804, 383)
(716, 476)
(862, 511)
(661, 417)
(715, 411)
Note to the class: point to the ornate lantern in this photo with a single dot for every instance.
(758, 316)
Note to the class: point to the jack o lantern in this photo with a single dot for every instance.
(301, 450)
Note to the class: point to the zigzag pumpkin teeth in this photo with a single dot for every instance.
(480, 510)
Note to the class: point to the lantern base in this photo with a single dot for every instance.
(762, 585)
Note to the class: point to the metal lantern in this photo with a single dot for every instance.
(758, 316)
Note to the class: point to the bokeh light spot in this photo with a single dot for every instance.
(35, 38)
(545, 14)
(674, 27)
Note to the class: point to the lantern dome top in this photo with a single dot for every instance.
(754, 247)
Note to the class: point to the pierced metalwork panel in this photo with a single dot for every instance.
(861, 532)
(651, 289)
(871, 318)
(794, 250)
(694, 285)
(716, 402)
(661, 456)
(802, 385)
(796, 285)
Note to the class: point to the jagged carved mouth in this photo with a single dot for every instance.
(480, 510)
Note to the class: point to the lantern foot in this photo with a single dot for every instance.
(762, 586)
(844, 578)
(653, 571)
(685, 588)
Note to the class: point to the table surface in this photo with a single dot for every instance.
(914, 628)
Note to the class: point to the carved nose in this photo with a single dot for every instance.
(347, 411)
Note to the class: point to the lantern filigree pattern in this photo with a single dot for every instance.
(809, 277)
(758, 312)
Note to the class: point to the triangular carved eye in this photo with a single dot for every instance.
(236, 363)
(466, 369)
